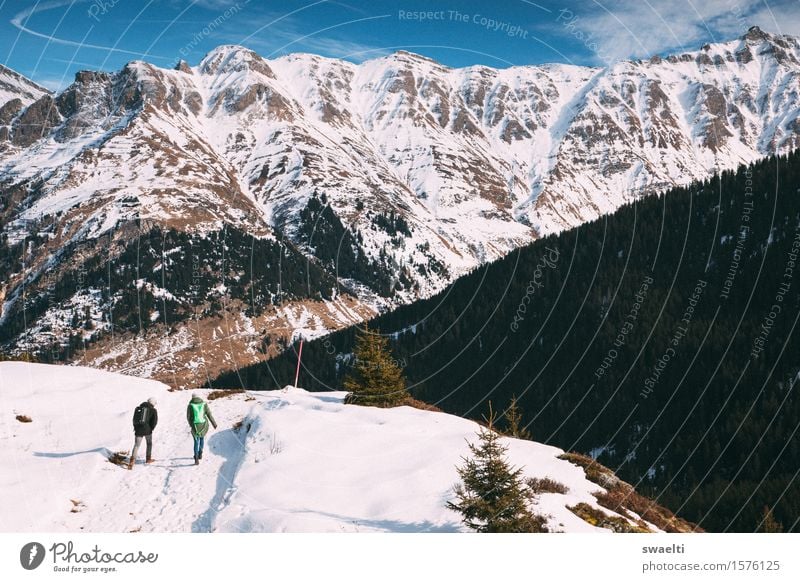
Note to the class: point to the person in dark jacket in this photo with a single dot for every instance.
(145, 419)
(198, 414)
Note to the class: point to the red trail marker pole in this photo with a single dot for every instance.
(299, 357)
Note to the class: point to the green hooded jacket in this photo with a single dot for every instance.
(199, 429)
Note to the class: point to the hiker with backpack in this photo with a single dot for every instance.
(199, 414)
(145, 418)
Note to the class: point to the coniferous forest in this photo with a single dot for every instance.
(662, 339)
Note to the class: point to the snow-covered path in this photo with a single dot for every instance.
(172, 490)
(298, 462)
(61, 476)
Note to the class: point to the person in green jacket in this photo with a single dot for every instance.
(198, 414)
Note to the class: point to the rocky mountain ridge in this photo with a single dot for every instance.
(391, 177)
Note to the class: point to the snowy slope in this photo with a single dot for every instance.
(15, 86)
(301, 462)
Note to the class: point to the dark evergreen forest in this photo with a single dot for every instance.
(661, 339)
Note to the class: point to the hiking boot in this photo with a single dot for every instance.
(200, 455)
(196, 461)
(130, 465)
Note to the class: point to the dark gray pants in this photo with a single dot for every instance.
(138, 441)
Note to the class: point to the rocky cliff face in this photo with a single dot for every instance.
(393, 176)
(16, 93)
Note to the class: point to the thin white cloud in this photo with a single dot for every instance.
(89, 66)
(778, 20)
(642, 28)
(317, 43)
(341, 48)
(325, 46)
(20, 21)
(283, 34)
(216, 4)
(55, 84)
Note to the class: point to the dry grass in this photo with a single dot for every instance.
(227, 393)
(24, 418)
(622, 498)
(375, 401)
(419, 404)
(598, 518)
(595, 472)
(18, 358)
(546, 485)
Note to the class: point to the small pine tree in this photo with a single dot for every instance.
(769, 524)
(492, 497)
(514, 426)
(376, 379)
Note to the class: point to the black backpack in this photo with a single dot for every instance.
(141, 415)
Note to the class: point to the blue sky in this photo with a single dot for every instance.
(50, 40)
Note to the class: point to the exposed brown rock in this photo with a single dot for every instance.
(755, 34)
(513, 131)
(183, 67)
(716, 132)
(9, 111)
(744, 55)
(193, 102)
(36, 122)
(704, 59)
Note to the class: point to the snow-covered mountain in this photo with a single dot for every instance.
(15, 86)
(16, 93)
(283, 461)
(393, 176)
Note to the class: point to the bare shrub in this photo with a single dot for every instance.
(227, 393)
(546, 485)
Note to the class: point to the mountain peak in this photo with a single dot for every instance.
(225, 50)
(183, 66)
(232, 58)
(755, 34)
(409, 57)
